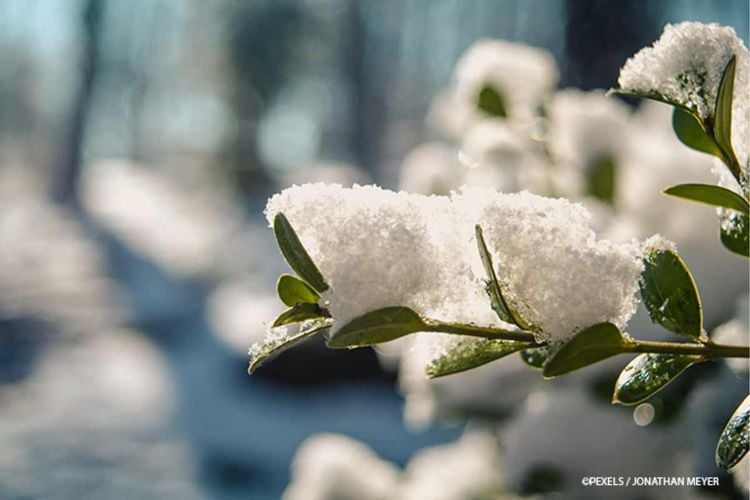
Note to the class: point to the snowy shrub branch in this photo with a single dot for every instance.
(492, 274)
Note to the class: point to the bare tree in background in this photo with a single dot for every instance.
(68, 162)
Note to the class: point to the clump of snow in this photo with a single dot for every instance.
(375, 247)
(586, 128)
(378, 248)
(522, 75)
(194, 231)
(685, 66)
(329, 466)
(659, 243)
(333, 466)
(554, 270)
(468, 468)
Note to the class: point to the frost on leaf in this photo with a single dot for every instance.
(466, 353)
(280, 338)
(684, 68)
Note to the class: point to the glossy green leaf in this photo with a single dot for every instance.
(497, 301)
(690, 132)
(295, 254)
(471, 353)
(649, 373)
(299, 313)
(277, 343)
(735, 438)
(716, 196)
(602, 178)
(670, 294)
(381, 325)
(537, 356)
(491, 102)
(292, 291)
(723, 114)
(734, 229)
(590, 346)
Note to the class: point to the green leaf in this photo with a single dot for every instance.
(491, 102)
(723, 112)
(651, 95)
(470, 353)
(649, 373)
(377, 326)
(299, 313)
(295, 254)
(590, 346)
(602, 177)
(497, 301)
(691, 132)
(716, 196)
(292, 291)
(734, 229)
(537, 356)
(735, 438)
(670, 294)
(275, 344)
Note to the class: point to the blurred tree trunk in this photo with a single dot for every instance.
(353, 62)
(68, 162)
(600, 36)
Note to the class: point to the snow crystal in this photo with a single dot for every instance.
(659, 243)
(686, 65)
(379, 248)
(522, 75)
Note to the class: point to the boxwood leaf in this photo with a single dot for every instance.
(716, 196)
(277, 343)
(471, 353)
(590, 346)
(723, 114)
(300, 313)
(491, 102)
(691, 132)
(649, 373)
(377, 326)
(537, 356)
(295, 254)
(292, 291)
(670, 294)
(602, 178)
(497, 301)
(735, 438)
(734, 229)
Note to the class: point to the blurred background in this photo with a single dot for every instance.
(139, 141)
